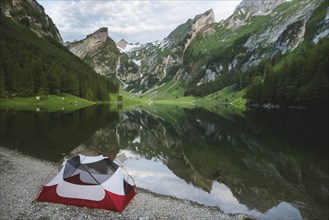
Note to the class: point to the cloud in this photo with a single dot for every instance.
(136, 21)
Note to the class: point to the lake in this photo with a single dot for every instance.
(270, 164)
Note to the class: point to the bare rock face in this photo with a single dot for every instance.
(291, 37)
(122, 44)
(258, 6)
(97, 50)
(157, 66)
(250, 8)
(32, 15)
(100, 52)
(323, 31)
(281, 34)
(199, 23)
(90, 45)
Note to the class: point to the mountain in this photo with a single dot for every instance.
(33, 60)
(201, 51)
(126, 47)
(32, 15)
(160, 60)
(202, 56)
(258, 7)
(207, 56)
(97, 50)
(100, 52)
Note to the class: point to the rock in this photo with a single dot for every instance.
(23, 12)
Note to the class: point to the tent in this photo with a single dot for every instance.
(95, 182)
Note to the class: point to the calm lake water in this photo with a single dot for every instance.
(270, 164)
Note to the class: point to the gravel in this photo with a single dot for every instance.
(22, 176)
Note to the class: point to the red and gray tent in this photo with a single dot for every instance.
(95, 182)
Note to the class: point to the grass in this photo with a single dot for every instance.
(225, 37)
(170, 94)
(226, 96)
(130, 100)
(51, 103)
(184, 102)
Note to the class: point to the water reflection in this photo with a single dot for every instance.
(155, 176)
(272, 165)
(51, 135)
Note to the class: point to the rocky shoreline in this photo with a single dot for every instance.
(22, 176)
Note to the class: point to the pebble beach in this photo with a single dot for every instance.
(22, 176)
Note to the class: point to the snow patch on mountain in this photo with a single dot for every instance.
(126, 47)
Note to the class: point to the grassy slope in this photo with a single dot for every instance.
(225, 101)
(171, 94)
(52, 103)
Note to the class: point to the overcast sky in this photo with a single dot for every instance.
(135, 21)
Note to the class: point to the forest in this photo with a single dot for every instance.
(32, 65)
(299, 79)
(303, 81)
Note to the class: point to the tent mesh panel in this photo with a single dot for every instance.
(88, 174)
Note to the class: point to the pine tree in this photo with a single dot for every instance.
(3, 92)
(44, 86)
(27, 81)
(54, 83)
(254, 91)
(89, 94)
(17, 82)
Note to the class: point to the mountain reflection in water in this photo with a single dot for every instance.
(269, 164)
(156, 177)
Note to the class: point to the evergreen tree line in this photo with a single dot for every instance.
(302, 81)
(31, 65)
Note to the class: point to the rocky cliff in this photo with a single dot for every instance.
(101, 53)
(256, 31)
(260, 6)
(200, 50)
(97, 50)
(160, 60)
(91, 44)
(122, 44)
(31, 14)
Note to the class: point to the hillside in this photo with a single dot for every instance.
(32, 15)
(256, 51)
(42, 65)
(258, 38)
(100, 52)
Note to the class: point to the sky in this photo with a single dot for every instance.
(135, 21)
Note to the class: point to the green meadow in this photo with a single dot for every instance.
(51, 103)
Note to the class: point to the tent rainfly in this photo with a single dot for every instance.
(95, 182)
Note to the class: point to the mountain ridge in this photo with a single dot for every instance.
(32, 15)
(37, 63)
